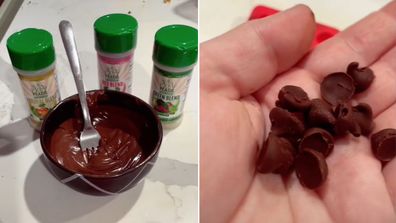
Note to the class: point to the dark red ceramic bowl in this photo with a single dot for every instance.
(150, 140)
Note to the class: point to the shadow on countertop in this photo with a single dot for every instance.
(51, 201)
(20, 109)
(15, 136)
(188, 10)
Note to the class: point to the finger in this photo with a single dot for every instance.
(248, 57)
(222, 185)
(364, 42)
(387, 120)
(266, 201)
(381, 94)
(307, 206)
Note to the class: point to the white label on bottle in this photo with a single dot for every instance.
(42, 94)
(168, 94)
(115, 73)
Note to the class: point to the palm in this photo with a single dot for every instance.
(235, 101)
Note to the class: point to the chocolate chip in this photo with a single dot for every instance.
(319, 140)
(285, 169)
(383, 144)
(363, 116)
(300, 116)
(345, 121)
(293, 98)
(337, 88)
(288, 147)
(285, 123)
(363, 77)
(321, 114)
(277, 153)
(311, 168)
(352, 67)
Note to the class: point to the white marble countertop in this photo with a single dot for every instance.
(220, 16)
(29, 193)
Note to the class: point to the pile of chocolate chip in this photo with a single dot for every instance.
(303, 130)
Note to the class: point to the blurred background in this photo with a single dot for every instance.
(217, 17)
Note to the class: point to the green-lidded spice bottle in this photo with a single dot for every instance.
(33, 57)
(115, 42)
(175, 55)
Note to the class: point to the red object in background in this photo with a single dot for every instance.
(323, 32)
(1, 2)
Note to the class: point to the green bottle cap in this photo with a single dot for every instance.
(31, 49)
(115, 33)
(176, 46)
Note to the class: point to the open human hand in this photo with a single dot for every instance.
(241, 74)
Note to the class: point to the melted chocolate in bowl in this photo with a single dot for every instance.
(131, 135)
(118, 150)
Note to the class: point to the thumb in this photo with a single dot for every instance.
(245, 59)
